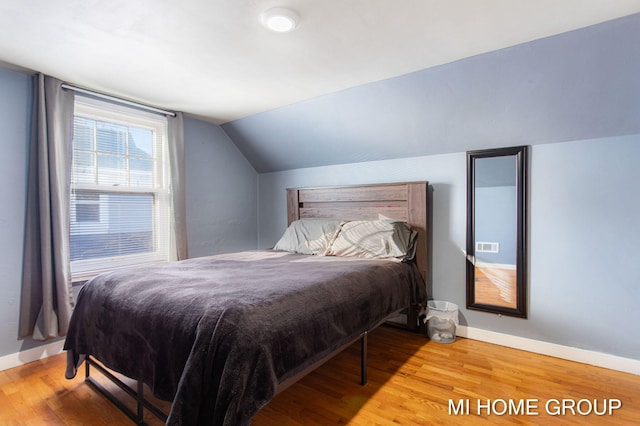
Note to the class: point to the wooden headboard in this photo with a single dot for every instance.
(405, 201)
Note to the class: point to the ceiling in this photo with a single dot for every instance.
(213, 58)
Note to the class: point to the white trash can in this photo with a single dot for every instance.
(442, 320)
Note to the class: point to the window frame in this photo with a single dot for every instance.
(164, 247)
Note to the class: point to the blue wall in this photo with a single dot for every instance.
(15, 122)
(221, 192)
(583, 253)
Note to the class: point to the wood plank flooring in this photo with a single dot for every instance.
(411, 381)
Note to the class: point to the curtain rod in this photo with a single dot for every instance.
(118, 100)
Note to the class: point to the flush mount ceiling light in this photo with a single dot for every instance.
(280, 19)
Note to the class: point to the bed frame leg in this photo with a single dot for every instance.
(137, 394)
(140, 402)
(363, 359)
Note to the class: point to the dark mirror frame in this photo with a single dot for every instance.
(520, 153)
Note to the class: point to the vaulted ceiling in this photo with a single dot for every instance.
(214, 59)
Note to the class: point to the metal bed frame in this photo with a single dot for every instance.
(142, 403)
(138, 394)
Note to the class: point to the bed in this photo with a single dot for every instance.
(221, 335)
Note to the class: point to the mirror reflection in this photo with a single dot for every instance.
(496, 270)
(495, 231)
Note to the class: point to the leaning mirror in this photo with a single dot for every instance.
(497, 231)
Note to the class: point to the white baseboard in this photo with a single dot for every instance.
(584, 356)
(30, 355)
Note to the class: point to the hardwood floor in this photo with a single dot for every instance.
(411, 381)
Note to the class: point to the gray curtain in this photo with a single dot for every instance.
(176, 161)
(47, 302)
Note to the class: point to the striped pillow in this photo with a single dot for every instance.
(375, 239)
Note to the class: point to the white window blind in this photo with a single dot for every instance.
(120, 212)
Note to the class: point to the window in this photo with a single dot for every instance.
(120, 200)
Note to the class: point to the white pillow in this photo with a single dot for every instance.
(376, 239)
(308, 236)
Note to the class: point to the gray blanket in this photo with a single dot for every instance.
(218, 334)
